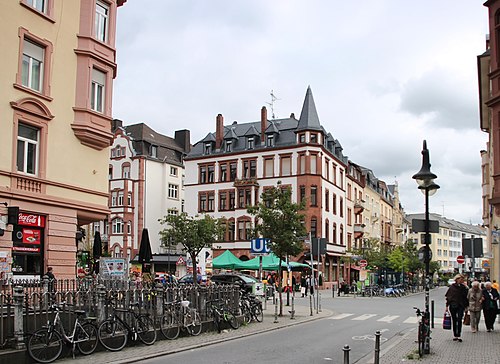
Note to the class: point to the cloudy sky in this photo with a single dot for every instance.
(385, 75)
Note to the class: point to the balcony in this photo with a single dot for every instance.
(246, 182)
(359, 206)
(359, 230)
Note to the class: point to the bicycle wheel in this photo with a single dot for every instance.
(193, 323)
(45, 346)
(88, 336)
(245, 312)
(233, 320)
(217, 321)
(169, 326)
(258, 313)
(421, 339)
(146, 330)
(112, 335)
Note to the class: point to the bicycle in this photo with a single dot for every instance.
(424, 333)
(114, 332)
(251, 307)
(220, 312)
(45, 345)
(178, 315)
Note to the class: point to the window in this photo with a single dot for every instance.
(302, 138)
(327, 200)
(223, 173)
(27, 149)
(129, 228)
(154, 151)
(126, 172)
(250, 143)
(97, 90)
(101, 21)
(114, 198)
(349, 216)
(202, 202)
(129, 199)
(203, 174)
(302, 196)
(268, 167)
(327, 170)
(286, 166)
(249, 168)
(223, 201)
(302, 163)
(32, 65)
(244, 229)
(341, 207)
(314, 159)
(341, 232)
(232, 200)
(334, 204)
(270, 141)
(207, 149)
(314, 196)
(120, 198)
(211, 174)
(206, 201)
(233, 167)
(173, 171)
(229, 146)
(118, 226)
(231, 229)
(327, 230)
(314, 138)
(244, 197)
(110, 172)
(172, 212)
(314, 228)
(173, 191)
(334, 233)
(40, 5)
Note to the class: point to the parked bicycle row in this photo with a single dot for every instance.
(141, 320)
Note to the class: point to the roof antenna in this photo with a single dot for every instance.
(271, 104)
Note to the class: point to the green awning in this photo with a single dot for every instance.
(226, 260)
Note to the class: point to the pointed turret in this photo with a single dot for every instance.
(309, 119)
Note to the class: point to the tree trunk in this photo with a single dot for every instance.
(280, 288)
(195, 273)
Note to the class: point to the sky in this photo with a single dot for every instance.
(385, 75)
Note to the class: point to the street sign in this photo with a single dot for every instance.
(259, 246)
(363, 263)
(418, 226)
(460, 259)
(486, 264)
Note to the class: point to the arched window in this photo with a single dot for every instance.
(341, 234)
(334, 233)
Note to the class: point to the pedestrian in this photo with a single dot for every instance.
(303, 286)
(475, 298)
(490, 305)
(495, 285)
(456, 304)
(52, 282)
(310, 283)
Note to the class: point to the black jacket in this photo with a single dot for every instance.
(456, 296)
(490, 299)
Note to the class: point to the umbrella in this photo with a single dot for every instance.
(97, 250)
(145, 254)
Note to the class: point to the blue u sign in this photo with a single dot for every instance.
(259, 246)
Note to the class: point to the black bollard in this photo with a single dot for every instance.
(377, 348)
(346, 350)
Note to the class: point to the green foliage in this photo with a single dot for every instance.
(194, 233)
(280, 220)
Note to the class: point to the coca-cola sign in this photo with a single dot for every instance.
(31, 220)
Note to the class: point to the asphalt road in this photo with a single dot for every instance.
(354, 322)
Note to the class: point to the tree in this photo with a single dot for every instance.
(194, 233)
(279, 219)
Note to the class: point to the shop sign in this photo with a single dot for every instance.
(26, 249)
(113, 267)
(31, 220)
(31, 236)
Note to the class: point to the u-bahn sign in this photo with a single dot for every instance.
(259, 246)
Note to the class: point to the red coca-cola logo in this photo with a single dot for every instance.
(31, 220)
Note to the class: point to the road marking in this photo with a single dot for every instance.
(366, 316)
(411, 320)
(388, 318)
(341, 316)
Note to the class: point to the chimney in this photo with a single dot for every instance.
(115, 124)
(219, 131)
(182, 137)
(263, 124)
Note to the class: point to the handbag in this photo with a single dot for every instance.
(467, 319)
(447, 321)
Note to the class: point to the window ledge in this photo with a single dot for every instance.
(32, 92)
(43, 15)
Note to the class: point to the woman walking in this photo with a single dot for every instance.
(490, 305)
(456, 304)
(475, 298)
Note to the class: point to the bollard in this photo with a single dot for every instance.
(292, 312)
(276, 312)
(311, 304)
(319, 301)
(377, 348)
(101, 302)
(160, 298)
(346, 350)
(18, 296)
(432, 314)
(333, 290)
(45, 292)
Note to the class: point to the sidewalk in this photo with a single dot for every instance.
(481, 347)
(140, 352)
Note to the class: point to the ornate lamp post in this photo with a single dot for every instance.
(425, 180)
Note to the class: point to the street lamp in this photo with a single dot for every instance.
(425, 180)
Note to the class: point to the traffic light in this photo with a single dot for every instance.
(13, 215)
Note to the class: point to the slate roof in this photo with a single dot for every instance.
(284, 131)
(450, 224)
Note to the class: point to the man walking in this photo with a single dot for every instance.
(456, 304)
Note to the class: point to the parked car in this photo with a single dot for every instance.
(188, 279)
(244, 280)
(450, 281)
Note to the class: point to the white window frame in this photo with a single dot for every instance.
(173, 171)
(250, 143)
(120, 198)
(40, 5)
(173, 191)
(33, 56)
(118, 226)
(101, 21)
(25, 147)
(98, 90)
(229, 146)
(126, 172)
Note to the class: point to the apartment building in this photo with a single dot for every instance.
(146, 182)
(58, 64)
(446, 245)
(489, 108)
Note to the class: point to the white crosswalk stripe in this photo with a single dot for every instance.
(366, 316)
(341, 316)
(411, 320)
(388, 318)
